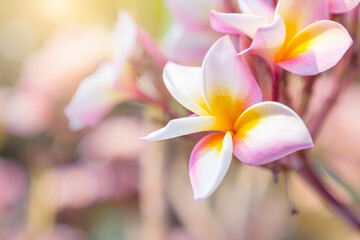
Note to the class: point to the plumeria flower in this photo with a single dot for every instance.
(105, 88)
(227, 100)
(190, 36)
(295, 36)
(266, 7)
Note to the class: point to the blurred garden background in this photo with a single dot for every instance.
(102, 183)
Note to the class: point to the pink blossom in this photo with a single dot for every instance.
(295, 36)
(227, 99)
(109, 84)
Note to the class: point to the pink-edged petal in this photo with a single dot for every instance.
(342, 6)
(268, 131)
(182, 126)
(299, 14)
(317, 48)
(268, 40)
(188, 47)
(209, 163)
(257, 7)
(185, 85)
(123, 39)
(230, 88)
(237, 23)
(94, 98)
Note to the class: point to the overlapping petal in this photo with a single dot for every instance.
(316, 48)
(299, 14)
(94, 98)
(268, 131)
(237, 23)
(185, 85)
(257, 7)
(182, 126)
(342, 6)
(230, 88)
(209, 163)
(269, 40)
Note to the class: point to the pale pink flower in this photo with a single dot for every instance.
(295, 36)
(190, 36)
(227, 99)
(100, 92)
(264, 7)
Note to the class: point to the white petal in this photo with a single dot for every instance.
(209, 163)
(185, 85)
(299, 14)
(182, 126)
(268, 131)
(268, 40)
(230, 87)
(316, 48)
(94, 98)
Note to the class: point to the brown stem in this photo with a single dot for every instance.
(148, 99)
(308, 174)
(309, 83)
(275, 97)
(284, 94)
(275, 167)
(276, 81)
(293, 209)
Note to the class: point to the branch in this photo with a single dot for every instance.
(308, 174)
(307, 91)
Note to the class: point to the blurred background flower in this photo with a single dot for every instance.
(102, 182)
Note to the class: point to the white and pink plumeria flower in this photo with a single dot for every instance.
(226, 99)
(296, 35)
(100, 92)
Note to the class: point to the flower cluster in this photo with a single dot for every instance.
(224, 96)
(227, 99)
